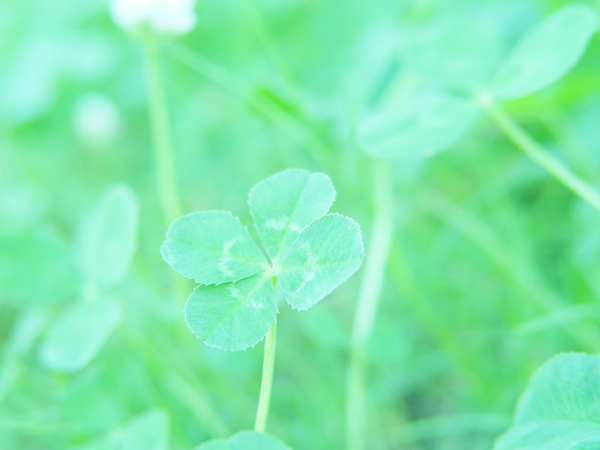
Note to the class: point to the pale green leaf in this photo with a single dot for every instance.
(325, 255)
(77, 335)
(232, 316)
(417, 125)
(212, 247)
(147, 431)
(455, 53)
(245, 440)
(108, 237)
(36, 269)
(546, 53)
(285, 203)
(551, 436)
(25, 332)
(559, 409)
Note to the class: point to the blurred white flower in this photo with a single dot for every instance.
(96, 119)
(173, 17)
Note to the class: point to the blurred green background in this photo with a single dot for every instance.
(494, 265)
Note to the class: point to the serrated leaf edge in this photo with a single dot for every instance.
(362, 252)
(162, 247)
(215, 346)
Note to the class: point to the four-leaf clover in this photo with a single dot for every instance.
(307, 253)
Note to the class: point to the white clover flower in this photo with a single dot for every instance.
(175, 17)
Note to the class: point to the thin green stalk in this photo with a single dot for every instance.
(161, 134)
(368, 300)
(265, 37)
(267, 380)
(531, 148)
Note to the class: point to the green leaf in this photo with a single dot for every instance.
(559, 409)
(325, 255)
(416, 126)
(36, 269)
(447, 54)
(232, 316)
(236, 303)
(546, 53)
(25, 332)
(212, 247)
(147, 431)
(79, 333)
(245, 440)
(108, 237)
(285, 203)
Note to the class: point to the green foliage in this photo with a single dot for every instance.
(212, 247)
(416, 126)
(245, 440)
(79, 333)
(311, 254)
(285, 203)
(492, 264)
(146, 431)
(559, 409)
(323, 256)
(108, 237)
(546, 52)
(232, 316)
(35, 269)
(455, 53)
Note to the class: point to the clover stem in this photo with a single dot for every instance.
(368, 300)
(161, 134)
(532, 149)
(267, 380)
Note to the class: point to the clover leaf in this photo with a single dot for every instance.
(79, 333)
(107, 237)
(420, 124)
(559, 409)
(547, 52)
(245, 440)
(309, 253)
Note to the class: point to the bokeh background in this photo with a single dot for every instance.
(494, 265)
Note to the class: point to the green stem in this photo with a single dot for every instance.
(531, 148)
(161, 135)
(267, 380)
(368, 300)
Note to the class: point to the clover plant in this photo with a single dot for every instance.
(431, 119)
(107, 243)
(426, 120)
(559, 409)
(308, 254)
(303, 250)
